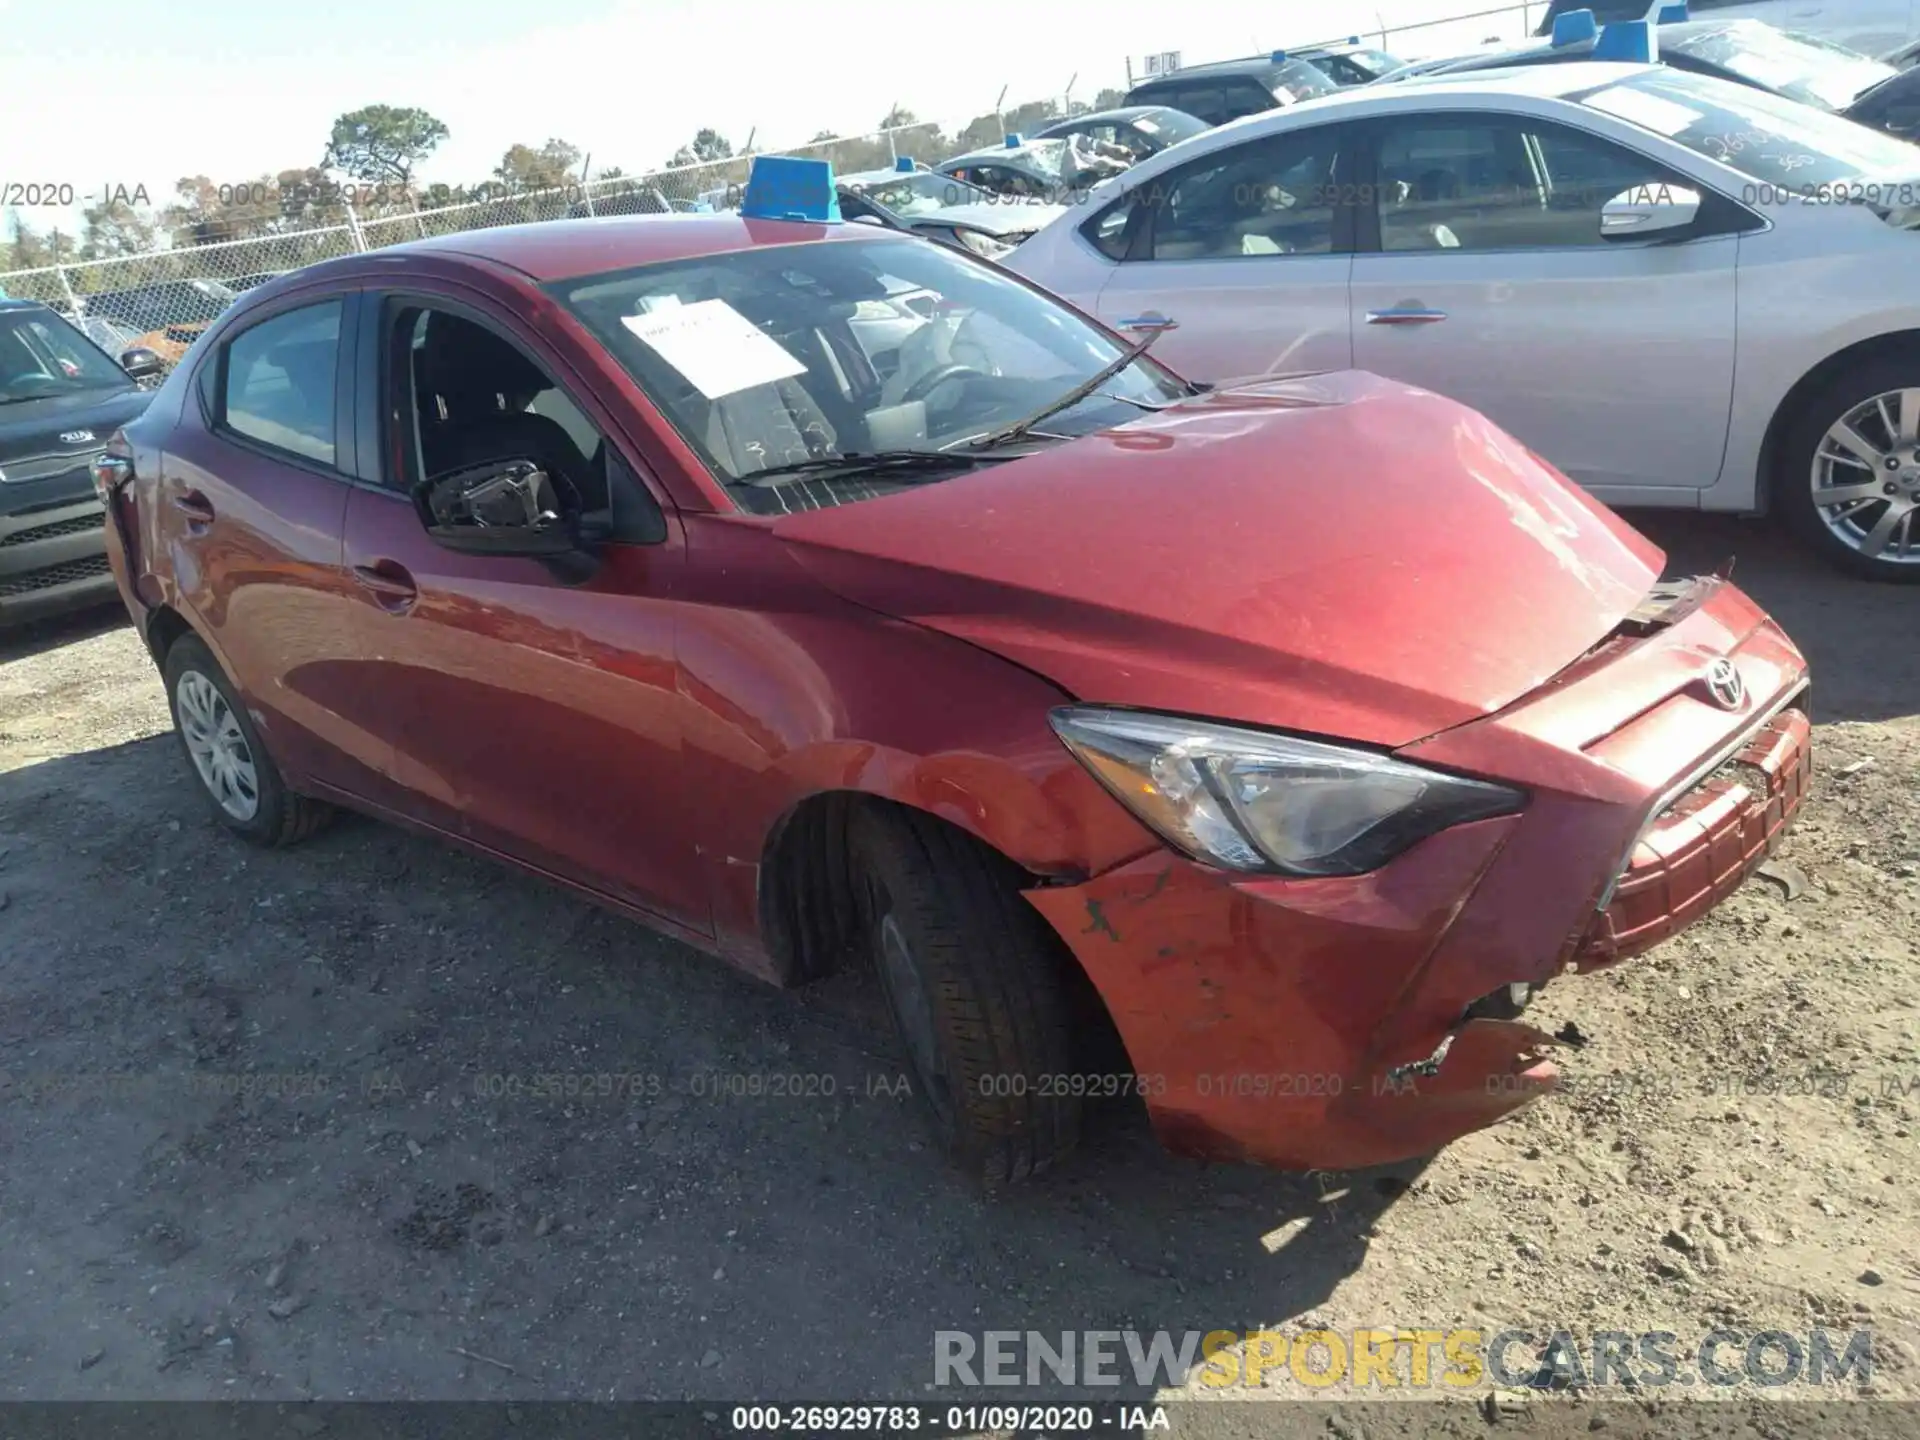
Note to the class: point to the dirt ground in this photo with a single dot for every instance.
(269, 1126)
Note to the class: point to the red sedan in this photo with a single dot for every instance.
(822, 596)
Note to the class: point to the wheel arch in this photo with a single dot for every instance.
(164, 626)
(809, 902)
(1860, 352)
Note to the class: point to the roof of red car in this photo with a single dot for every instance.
(563, 249)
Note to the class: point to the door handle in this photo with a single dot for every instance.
(1405, 315)
(195, 506)
(1155, 323)
(391, 586)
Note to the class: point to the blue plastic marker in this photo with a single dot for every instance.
(1629, 40)
(786, 187)
(1576, 27)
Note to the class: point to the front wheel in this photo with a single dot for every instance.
(976, 983)
(1848, 481)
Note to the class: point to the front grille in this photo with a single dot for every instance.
(1703, 846)
(47, 577)
(54, 531)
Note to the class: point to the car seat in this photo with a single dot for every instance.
(483, 385)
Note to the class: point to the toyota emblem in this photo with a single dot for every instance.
(1729, 691)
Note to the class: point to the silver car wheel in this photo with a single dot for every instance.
(216, 745)
(1866, 477)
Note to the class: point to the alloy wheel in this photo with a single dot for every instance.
(1866, 478)
(217, 745)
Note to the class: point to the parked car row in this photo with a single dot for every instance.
(61, 398)
(1749, 52)
(823, 596)
(1676, 289)
(1623, 235)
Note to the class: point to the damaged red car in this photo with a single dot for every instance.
(823, 596)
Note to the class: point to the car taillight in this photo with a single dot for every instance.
(112, 468)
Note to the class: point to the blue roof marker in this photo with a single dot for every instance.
(786, 187)
(1631, 40)
(1575, 27)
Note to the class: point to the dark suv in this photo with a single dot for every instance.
(1228, 89)
(61, 399)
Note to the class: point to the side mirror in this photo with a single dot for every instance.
(1649, 210)
(504, 507)
(140, 362)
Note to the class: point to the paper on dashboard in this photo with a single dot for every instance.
(717, 348)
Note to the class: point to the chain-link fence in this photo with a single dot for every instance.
(162, 299)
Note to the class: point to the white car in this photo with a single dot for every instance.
(1678, 290)
(927, 195)
(1869, 26)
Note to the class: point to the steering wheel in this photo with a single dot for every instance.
(934, 378)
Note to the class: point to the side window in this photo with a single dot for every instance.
(1498, 184)
(1203, 102)
(462, 394)
(1268, 197)
(1248, 97)
(279, 381)
(1107, 231)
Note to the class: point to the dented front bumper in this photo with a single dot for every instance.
(1333, 1023)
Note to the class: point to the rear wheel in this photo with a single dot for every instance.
(1849, 477)
(225, 756)
(975, 981)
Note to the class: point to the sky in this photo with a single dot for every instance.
(233, 89)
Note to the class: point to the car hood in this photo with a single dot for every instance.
(36, 427)
(1336, 554)
(1011, 217)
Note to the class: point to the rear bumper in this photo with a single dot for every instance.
(53, 558)
(1329, 1023)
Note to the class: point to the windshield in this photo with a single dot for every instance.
(41, 355)
(784, 354)
(1765, 136)
(918, 192)
(1046, 157)
(1297, 80)
(1170, 127)
(1797, 66)
(1354, 67)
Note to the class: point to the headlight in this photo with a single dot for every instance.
(1259, 802)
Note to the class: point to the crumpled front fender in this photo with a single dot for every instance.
(1253, 1009)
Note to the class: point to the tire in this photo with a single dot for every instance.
(975, 982)
(1806, 445)
(241, 784)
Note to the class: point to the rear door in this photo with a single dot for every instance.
(1240, 260)
(1486, 279)
(250, 505)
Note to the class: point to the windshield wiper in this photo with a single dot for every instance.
(1009, 433)
(854, 462)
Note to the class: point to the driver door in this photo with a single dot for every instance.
(529, 711)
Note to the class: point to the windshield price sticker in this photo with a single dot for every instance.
(717, 348)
